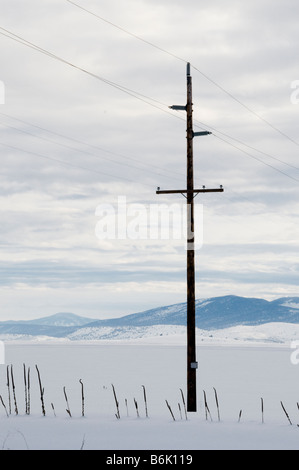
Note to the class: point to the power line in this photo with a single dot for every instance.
(71, 164)
(85, 152)
(126, 157)
(139, 96)
(245, 106)
(77, 141)
(132, 93)
(207, 126)
(194, 67)
(126, 31)
(258, 159)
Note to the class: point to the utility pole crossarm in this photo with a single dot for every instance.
(177, 107)
(185, 191)
(200, 133)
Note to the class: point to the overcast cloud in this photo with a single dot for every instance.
(71, 142)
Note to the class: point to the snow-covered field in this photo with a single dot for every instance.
(241, 367)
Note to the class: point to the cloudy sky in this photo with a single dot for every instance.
(86, 123)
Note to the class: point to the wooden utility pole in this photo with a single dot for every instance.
(191, 343)
(190, 193)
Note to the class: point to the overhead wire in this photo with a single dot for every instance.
(73, 165)
(145, 99)
(193, 66)
(207, 126)
(257, 159)
(137, 95)
(250, 154)
(126, 31)
(81, 142)
(245, 106)
(89, 153)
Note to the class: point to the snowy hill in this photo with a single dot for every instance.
(58, 325)
(214, 314)
(267, 334)
(62, 319)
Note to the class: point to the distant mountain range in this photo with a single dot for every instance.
(211, 314)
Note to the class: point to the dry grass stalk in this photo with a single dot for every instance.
(217, 403)
(13, 390)
(1, 399)
(42, 391)
(136, 406)
(285, 411)
(53, 409)
(82, 396)
(8, 388)
(184, 403)
(28, 391)
(67, 403)
(169, 407)
(207, 410)
(83, 443)
(145, 401)
(179, 406)
(117, 414)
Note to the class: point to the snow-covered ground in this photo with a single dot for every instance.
(276, 332)
(242, 364)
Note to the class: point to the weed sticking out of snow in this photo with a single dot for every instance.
(132, 396)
